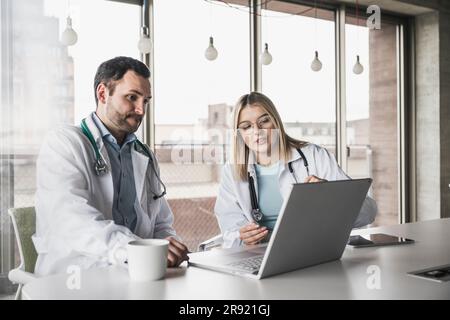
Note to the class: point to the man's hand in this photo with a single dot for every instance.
(310, 179)
(177, 253)
(252, 233)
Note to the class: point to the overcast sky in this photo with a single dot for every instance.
(185, 82)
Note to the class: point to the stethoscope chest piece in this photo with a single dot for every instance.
(100, 167)
(257, 215)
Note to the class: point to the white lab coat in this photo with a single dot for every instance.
(74, 223)
(233, 206)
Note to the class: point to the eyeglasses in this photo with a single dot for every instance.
(263, 122)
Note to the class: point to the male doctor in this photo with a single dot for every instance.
(98, 187)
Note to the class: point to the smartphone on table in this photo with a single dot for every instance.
(376, 239)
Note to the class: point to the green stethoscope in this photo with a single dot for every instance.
(101, 168)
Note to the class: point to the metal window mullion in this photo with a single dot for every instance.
(255, 45)
(341, 136)
(7, 154)
(411, 212)
(407, 170)
(401, 125)
(149, 122)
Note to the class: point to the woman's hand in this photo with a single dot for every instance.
(310, 179)
(252, 233)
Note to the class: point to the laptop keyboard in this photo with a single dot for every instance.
(249, 264)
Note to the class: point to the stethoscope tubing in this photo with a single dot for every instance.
(256, 211)
(101, 168)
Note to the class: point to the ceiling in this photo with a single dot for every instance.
(393, 6)
(406, 7)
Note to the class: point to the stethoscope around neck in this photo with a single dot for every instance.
(101, 168)
(256, 211)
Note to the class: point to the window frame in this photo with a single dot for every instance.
(405, 85)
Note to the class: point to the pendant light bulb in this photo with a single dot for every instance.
(145, 43)
(316, 65)
(69, 37)
(211, 52)
(266, 57)
(358, 67)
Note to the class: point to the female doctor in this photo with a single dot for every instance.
(265, 161)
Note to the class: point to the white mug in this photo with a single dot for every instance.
(147, 259)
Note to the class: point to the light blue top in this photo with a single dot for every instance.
(269, 195)
(122, 173)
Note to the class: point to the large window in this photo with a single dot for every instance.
(45, 84)
(304, 98)
(193, 101)
(373, 112)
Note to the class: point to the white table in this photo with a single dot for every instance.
(343, 279)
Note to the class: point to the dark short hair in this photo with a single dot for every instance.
(114, 69)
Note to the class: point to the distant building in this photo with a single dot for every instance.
(37, 77)
(37, 92)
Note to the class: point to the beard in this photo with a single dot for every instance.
(127, 122)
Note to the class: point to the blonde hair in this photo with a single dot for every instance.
(240, 150)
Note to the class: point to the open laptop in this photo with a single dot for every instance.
(313, 227)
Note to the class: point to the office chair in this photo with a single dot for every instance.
(24, 224)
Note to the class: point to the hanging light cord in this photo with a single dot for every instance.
(357, 24)
(68, 8)
(265, 21)
(315, 21)
(288, 15)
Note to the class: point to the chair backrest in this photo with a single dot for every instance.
(24, 223)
